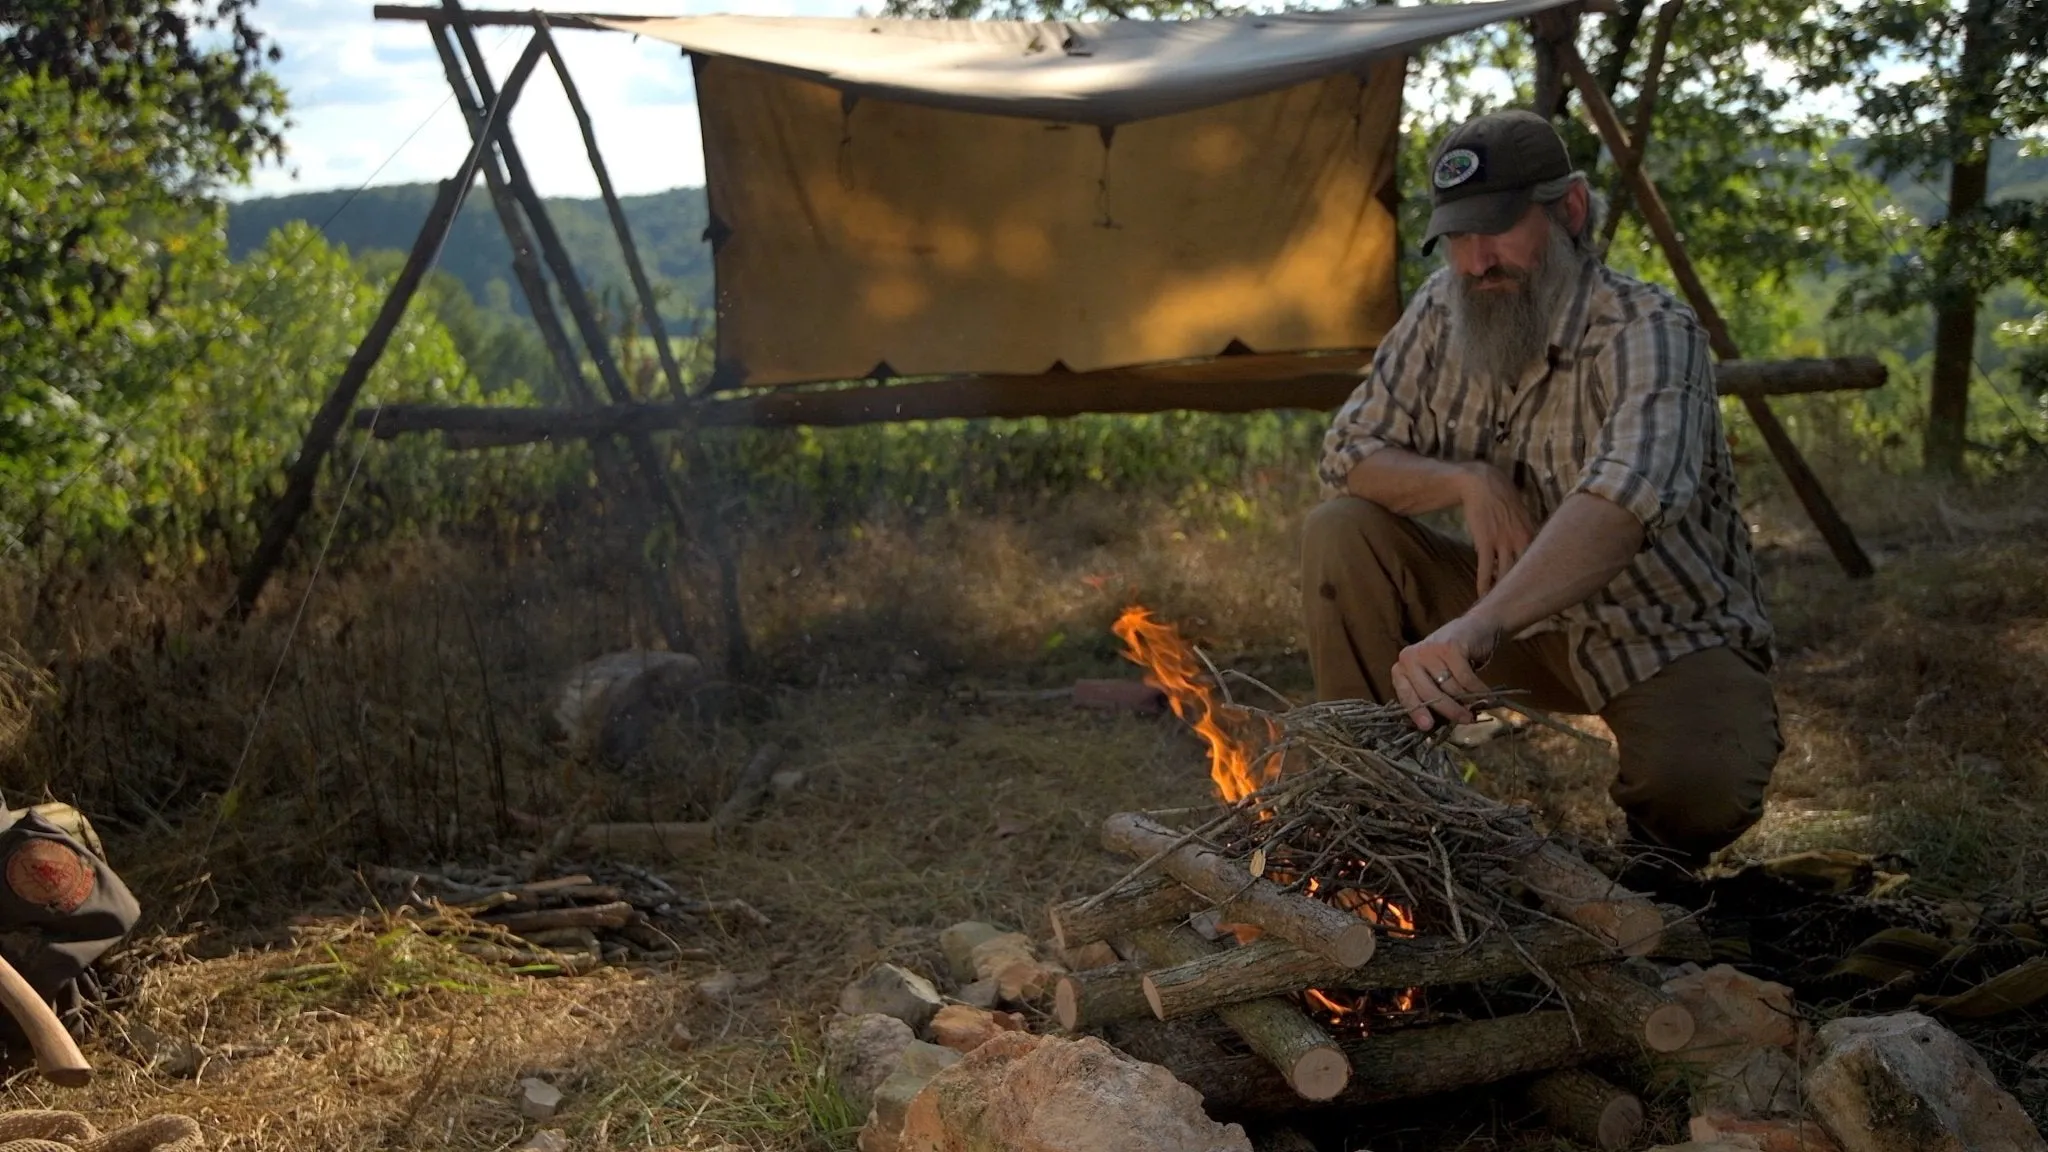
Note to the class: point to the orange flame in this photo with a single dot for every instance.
(1172, 667)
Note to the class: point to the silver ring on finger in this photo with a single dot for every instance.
(1441, 678)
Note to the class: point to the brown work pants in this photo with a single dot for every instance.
(1697, 740)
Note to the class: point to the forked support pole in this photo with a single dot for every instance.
(304, 471)
(1841, 540)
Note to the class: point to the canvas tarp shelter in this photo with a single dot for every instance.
(907, 197)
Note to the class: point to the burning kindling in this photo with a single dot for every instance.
(1361, 894)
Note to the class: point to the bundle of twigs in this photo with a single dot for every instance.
(1371, 812)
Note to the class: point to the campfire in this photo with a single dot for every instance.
(1377, 928)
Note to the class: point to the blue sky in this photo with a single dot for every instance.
(360, 87)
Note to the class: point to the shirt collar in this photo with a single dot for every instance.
(1569, 328)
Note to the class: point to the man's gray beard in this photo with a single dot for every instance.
(1501, 334)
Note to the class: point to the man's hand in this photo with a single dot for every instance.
(1430, 676)
(1497, 519)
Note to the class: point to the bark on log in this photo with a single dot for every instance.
(1582, 894)
(1269, 967)
(1589, 1109)
(1321, 928)
(1311, 1064)
(1400, 1065)
(1685, 937)
(1052, 394)
(1082, 1000)
(1139, 904)
(595, 916)
(1626, 1009)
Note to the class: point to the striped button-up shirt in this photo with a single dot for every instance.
(1625, 409)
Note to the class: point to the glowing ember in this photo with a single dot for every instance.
(1172, 667)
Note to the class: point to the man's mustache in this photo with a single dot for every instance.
(1501, 274)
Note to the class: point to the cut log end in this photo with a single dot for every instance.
(1619, 1123)
(1669, 1028)
(1320, 1073)
(1066, 1002)
(1153, 998)
(1355, 946)
(1638, 929)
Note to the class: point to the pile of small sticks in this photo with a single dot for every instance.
(1364, 882)
(601, 913)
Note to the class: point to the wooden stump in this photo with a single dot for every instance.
(1589, 1108)
(1311, 1063)
(1628, 1010)
(1400, 1065)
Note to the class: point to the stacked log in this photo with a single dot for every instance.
(1229, 1019)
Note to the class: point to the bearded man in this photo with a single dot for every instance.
(1569, 412)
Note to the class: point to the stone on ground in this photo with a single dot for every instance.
(1025, 1093)
(1775, 1134)
(980, 994)
(958, 943)
(1741, 1060)
(538, 1099)
(892, 991)
(1904, 1083)
(918, 1064)
(963, 1028)
(546, 1140)
(610, 706)
(1012, 961)
(861, 1051)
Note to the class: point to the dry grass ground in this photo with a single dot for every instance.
(409, 711)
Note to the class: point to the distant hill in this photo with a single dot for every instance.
(2012, 177)
(668, 228)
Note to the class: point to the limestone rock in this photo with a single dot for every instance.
(538, 1099)
(892, 991)
(919, 1063)
(1025, 1093)
(546, 1140)
(980, 994)
(1013, 963)
(1776, 1134)
(1740, 1061)
(610, 706)
(861, 1051)
(963, 1028)
(1904, 1083)
(959, 942)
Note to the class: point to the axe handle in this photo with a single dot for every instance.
(57, 1056)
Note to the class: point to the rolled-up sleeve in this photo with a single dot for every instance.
(1650, 449)
(1382, 411)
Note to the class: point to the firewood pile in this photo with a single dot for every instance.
(1378, 931)
(605, 912)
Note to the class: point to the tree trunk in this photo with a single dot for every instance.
(1956, 298)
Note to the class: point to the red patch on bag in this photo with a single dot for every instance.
(51, 874)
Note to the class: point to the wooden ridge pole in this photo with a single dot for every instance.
(612, 472)
(304, 470)
(1841, 540)
(985, 397)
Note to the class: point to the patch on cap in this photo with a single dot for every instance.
(1457, 166)
(50, 874)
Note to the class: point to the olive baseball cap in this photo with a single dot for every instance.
(1482, 173)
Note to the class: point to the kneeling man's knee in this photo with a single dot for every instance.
(1697, 751)
(1346, 518)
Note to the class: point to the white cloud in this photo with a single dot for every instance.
(370, 103)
